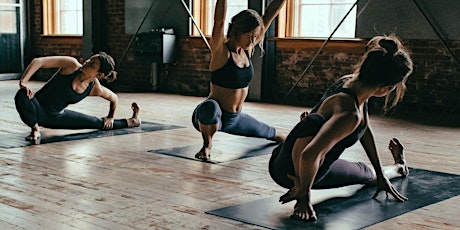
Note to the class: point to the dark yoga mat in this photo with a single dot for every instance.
(224, 150)
(349, 209)
(17, 140)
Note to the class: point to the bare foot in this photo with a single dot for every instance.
(134, 121)
(204, 154)
(303, 210)
(397, 150)
(34, 135)
(279, 136)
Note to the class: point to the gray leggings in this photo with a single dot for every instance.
(32, 113)
(209, 112)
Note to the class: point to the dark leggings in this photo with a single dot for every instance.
(331, 174)
(32, 113)
(209, 113)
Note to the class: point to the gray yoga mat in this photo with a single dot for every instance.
(17, 139)
(224, 150)
(350, 207)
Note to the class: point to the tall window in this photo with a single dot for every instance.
(8, 16)
(298, 18)
(63, 17)
(203, 12)
(319, 18)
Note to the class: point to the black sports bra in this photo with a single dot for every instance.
(231, 76)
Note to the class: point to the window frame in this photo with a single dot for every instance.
(51, 19)
(286, 28)
(203, 12)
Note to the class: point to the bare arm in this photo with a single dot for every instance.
(368, 143)
(218, 34)
(308, 153)
(65, 63)
(101, 91)
(271, 12)
(339, 126)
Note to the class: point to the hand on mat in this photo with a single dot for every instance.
(108, 123)
(303, 210)
(383, 184)
(294, 192)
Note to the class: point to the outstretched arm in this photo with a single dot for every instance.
(383, 183)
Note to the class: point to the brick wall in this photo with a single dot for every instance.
(48, 45)
(433, 88)
(435, 85)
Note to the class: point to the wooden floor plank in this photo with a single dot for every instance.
(116, 183)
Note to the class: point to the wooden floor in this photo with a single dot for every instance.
(115, 183)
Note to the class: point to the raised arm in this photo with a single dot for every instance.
(271, 12)
(218, 33)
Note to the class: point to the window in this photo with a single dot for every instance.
(319, 18)
(8, 17)
(298, 18)
(63, 17)
(203, 12)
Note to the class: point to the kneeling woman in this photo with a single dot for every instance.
(309, 158)
(71, 84)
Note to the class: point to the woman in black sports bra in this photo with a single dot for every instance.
(309, 158)
(69, 85)
(231, 72)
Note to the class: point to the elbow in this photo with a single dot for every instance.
(36, 62)
(114, 99)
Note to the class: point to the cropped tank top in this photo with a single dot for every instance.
(57, 93)
(231, 76)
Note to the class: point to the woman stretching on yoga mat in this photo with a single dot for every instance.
(231, 71)
(69, 85)
(309, 158)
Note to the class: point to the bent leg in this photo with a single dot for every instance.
(26, 108)
(206, 118)
(30, 113)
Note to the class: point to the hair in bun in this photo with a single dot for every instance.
(386, 63)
